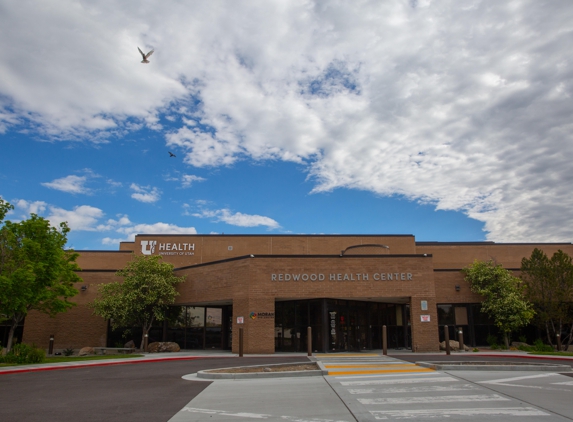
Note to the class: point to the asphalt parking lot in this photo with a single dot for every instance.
(359, 387)
(151, 391)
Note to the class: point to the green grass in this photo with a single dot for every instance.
(58, 359)
(552, 353)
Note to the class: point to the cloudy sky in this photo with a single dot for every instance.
(450, 120)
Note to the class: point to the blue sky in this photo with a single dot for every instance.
(446, 120)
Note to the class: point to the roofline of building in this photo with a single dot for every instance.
(437, 243)
(274, 235)
(237, 258)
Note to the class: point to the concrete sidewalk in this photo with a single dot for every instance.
(370, 387)
(308, 399)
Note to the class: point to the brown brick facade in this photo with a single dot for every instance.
(252, 273)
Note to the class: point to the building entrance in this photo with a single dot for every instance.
(340, 325)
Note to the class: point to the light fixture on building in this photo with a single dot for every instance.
(458, 287)
(84, 288)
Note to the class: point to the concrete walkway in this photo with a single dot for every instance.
(371, 387)
(367, 387)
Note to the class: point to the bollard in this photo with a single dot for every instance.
(447, 338)
(145, 341)
(384, 341)
(309, 341)
(51, 347)
(461, 340)
(558, 342)
(240, 342)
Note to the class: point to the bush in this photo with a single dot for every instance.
(24, 353)
(539, 346)
(68, 351)
(492, 341)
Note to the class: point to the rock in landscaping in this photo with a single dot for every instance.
(454, 345)
(163, 347)
(130, 344)
(84, 351)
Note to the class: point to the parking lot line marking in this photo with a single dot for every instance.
(436, 399)
(398, 381)
(517, 378)
(381, 376)
(433, 413)
(422, 389)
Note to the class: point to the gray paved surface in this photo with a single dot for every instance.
(360, 388)
(280, 399)
(147, 391)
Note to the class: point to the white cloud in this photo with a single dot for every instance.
(462, 105)
(156, 228)
(146, 194)
(83, 217)
(27, 207)
(188, 179)
(70, 184)
(238, 219)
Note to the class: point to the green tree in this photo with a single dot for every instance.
(504, 300)
(143, 297)
(36, 273)
(549, 285)
(4, 208)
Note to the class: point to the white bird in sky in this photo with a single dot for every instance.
(145, 56)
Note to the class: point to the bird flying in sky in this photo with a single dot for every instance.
(171, 154)
(145, 56)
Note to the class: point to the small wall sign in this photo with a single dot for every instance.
(424, 305)
(240, 320)
(425, 318)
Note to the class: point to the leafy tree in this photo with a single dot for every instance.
(4, 208)
(504, 301)
(549, 283)
(144, 296)
(36, 273)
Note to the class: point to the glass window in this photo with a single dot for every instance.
(214, 317)
(479, 317)
(446, 315)
(195, 316)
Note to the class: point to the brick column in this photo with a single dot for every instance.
(425, 336)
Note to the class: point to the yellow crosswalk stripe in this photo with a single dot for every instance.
(359, 365)
(349, 355)
(382, 371)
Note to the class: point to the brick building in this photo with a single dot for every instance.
(346, 287)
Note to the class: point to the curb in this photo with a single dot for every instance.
(493, 366)
(529, 356)
(72, 365)
(250, 375)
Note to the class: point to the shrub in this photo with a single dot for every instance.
(492, 341)
(68, 351)
(539, 346)
(24, 353)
